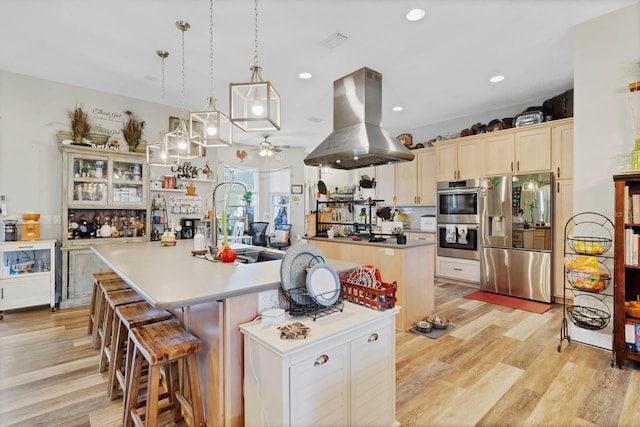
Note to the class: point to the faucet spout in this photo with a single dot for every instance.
(214, 219)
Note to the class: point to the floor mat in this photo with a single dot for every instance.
(435, 333)
(507, 301)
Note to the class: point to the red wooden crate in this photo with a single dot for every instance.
(382, 298)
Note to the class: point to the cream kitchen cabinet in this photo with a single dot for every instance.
(459, 159)
(518, 150)
(105, 198)
(386, 183)
(27, 274)
(562, 149)
(342, 374)
(415, 181)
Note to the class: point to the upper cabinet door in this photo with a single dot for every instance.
(88, 178)
(128, 182)
(470, 159)
(386, 183)
(562, 146)
(427, 177)
(499, 154)
(407, 182)
(447, 162)
(533, 150)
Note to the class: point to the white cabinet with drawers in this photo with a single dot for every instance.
(27, 274)
(343, 373)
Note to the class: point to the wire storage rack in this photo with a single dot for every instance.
(588, 252)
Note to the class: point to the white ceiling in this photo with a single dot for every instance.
(437, 69)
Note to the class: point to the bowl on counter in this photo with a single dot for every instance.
(30, 216)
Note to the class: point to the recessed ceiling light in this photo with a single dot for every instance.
(305, 75)
(416, 14)
(397, 108)
(496, 79)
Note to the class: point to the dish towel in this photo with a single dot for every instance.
(462, 235)
(451, 235)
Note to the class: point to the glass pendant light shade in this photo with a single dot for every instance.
(158, 154)
(179, 145)
(210, 128)
(255, 106)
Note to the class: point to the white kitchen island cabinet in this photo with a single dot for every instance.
(342, 374)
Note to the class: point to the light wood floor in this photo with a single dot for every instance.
(497, 367)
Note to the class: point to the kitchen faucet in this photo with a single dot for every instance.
(214, 220)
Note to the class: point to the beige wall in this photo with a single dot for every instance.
(32, 111)
(606, 51)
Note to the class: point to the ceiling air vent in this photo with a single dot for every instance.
(334, 40)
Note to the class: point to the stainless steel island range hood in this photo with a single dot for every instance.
(358, 140)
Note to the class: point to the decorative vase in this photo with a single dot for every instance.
(635, 156)
(228, 255)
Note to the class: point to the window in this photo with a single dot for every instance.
(279, 186)
(246, 176)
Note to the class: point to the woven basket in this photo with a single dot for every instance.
(64, 135)
(98, 138)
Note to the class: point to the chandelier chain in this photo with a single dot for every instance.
(182, 71)
(255, 51)
(163, 55)
(211, 48)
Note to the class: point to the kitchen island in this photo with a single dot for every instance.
(210, 299)
(410, 265)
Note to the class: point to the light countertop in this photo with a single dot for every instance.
(171, 277)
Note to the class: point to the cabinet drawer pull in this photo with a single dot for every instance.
(25, 247)
(373, 337)
(457, 269)
(558, 171)
(511, 166)
(558, 184)
(321, 360)
(518, 164)
(1, 293)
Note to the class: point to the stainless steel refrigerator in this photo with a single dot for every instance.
(517, 236)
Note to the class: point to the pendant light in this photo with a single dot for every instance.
(158, 153)
(177, 141)
(210, 128)
(255, 106)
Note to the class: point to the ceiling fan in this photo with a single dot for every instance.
(267, 149)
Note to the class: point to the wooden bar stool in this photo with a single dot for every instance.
(126, 317)
(97, 277)
(104, 286)
(163, 345)
(111, 301)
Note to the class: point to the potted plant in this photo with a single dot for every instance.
(132, 131)
(79, 125)
(401, 238)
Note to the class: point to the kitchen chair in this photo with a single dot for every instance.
(282, 238)
(258, 230)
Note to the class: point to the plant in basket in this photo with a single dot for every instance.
(132, 130)
(80, 126)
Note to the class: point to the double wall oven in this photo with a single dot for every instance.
(458, 217)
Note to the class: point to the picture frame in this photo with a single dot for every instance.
(195, 149)
(296, 189)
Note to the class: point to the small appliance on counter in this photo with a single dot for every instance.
(30, 226)
(428, 223)
(9, 230)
